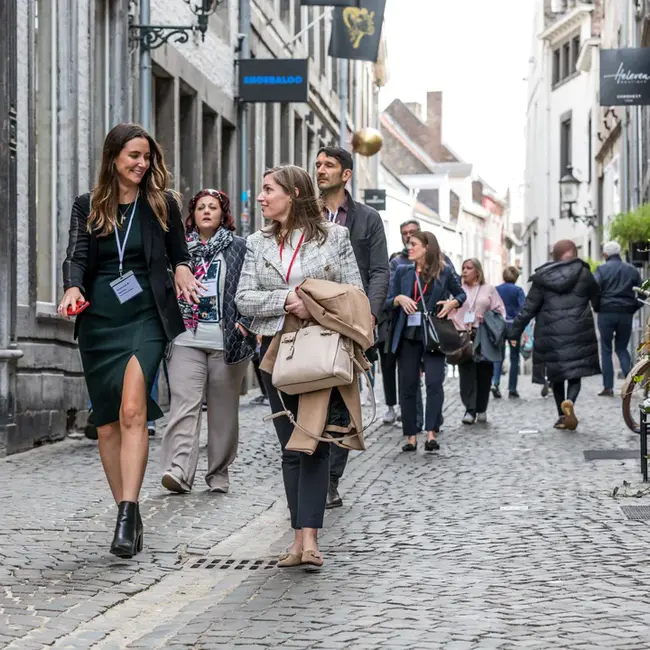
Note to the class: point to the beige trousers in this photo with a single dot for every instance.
(193, 371)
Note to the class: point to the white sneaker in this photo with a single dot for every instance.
(481, 417)
(389, 417)
(468, 418)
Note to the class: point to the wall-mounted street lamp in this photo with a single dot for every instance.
(153, 36)
(569, 190)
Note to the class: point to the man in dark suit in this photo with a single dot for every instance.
(334, 168)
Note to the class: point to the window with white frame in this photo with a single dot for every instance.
(46, 149)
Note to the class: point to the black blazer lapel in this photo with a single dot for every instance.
(352, 213)
(146, 230)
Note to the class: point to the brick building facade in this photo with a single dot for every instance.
(78, 65)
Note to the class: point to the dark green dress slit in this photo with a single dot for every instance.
(110, 334)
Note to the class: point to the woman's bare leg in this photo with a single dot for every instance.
(296, 547)
(310, 539)
(133, 425)
(110, 440)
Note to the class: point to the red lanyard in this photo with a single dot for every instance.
(416, 288)
(295, 254)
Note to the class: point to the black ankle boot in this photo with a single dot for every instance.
(127, 540)
(140, 528)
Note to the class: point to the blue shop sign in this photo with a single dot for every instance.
(274, 80)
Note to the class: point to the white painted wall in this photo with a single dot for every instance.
(545, 109)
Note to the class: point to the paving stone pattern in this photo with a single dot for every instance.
(506, 538)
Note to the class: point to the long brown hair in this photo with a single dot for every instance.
(433, 260)
(306, 210)
(105, 199)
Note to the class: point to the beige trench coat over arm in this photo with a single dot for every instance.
(344, 309)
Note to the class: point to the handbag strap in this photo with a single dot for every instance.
(290, 416)
(424, 302)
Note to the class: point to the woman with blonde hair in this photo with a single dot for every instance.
(427, 284)
(124, 236)
(476, 374)
(299, 244)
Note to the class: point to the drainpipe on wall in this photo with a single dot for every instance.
(145, 70)
(244, 226)
(9, 352)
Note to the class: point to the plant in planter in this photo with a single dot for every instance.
(632, 231)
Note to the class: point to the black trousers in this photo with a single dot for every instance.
(389, 376)
(475, 382)
(410, 357)
(257, 359)
(572, 391)
(305, 477)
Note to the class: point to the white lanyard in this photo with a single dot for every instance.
(333, 215)
(121, 246)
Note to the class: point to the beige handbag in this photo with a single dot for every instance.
(313, 358)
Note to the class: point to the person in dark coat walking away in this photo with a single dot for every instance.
(618, 305)
(566, 347)
(334, 168)
(513, 298)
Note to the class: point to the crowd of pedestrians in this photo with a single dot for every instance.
(148, 285)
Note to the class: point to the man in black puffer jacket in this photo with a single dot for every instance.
(566, 347)
(618, 305)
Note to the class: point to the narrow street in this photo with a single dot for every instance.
(507, 538)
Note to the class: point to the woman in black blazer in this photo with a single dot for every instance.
(124, 238)
(431, 282)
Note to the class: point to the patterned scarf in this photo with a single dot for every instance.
(202, 255)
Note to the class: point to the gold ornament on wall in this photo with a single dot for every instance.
(367, 141)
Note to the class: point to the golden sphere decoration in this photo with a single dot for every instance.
(367, 141)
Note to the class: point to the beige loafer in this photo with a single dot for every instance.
(313, 558)
(288, 560)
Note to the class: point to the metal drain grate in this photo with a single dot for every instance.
(639, 513)
(611, 454)
(231, 563)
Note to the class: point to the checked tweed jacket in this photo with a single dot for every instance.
(263, 289)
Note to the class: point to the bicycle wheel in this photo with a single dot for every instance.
(634, 392)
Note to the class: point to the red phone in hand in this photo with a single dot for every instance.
(75, 311)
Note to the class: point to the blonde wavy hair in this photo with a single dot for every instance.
(105, 200)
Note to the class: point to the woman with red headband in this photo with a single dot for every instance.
(212, 355)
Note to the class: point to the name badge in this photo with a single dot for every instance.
(210, 288)
(126, 287)
(414, 320)
(469, 318)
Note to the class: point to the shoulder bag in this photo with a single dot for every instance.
(440, 334)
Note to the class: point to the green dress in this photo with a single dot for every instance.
(110, 333)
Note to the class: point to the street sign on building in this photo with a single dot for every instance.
(274, 80)
(375, 199)
(356, 31)
(625, 77)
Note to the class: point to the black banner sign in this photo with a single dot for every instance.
(274, 80)
(375, 199)
(356, 31)
(330, 3)
(625, 77)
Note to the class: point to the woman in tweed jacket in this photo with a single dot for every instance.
(299, 244)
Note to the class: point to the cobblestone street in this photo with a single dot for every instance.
(506, 538)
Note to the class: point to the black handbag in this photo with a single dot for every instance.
(440, 334)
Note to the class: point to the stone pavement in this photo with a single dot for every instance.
(506, 538)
